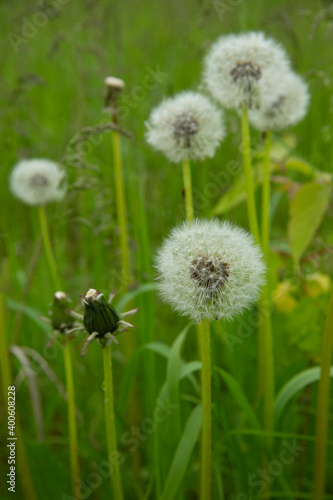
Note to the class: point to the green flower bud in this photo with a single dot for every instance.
(61, 320)
(99, 316)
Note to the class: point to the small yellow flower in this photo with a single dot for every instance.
(317, 283)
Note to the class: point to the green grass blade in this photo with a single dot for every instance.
(183, 454)
(293, 386)
(240, 397)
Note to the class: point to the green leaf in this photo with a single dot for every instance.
(294, 385)
(299, 165)
(183, 454)
(307, 210)
(240, 397)
(129, 296)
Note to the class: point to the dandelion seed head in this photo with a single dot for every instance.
(287, 108)
(185, 127)
(38, 181)
(242, 69)
(210, 269)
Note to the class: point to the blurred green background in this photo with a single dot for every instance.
(52, 87)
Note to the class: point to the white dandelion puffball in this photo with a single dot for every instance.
(210, 269)
(38, 181)
(242, 69)
(185, 127)
(286, 109)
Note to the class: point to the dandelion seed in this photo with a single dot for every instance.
(286, 109)
(38, 181)
(209, 270)
(186, 127)
(243, 69)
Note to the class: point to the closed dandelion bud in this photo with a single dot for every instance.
(61, 318)
(114, 87)
(186, 127)
(210, 270)
(101, 320)
(38, 181)
(243, 69)
(99, 316)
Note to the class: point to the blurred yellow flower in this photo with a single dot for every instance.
(282, 297)
(317, 283)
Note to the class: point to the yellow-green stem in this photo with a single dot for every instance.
(266, 357)
(188, 190)
(47, 245)
(72, 430)
(249, 185)
(121, 209)
(111, 426)
(323, 406)
(6, 377)
(206, 434)
(73, 444)
(265, 213)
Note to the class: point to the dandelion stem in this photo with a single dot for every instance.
(323, 405)
(133, 409)
(188, 190)
(47, 245)
(25, 476)
(111, 426)
(265, 214)
(206, 436)
(249, 185)
(121, 208)
(266, 356)
(72, 430)
(73, 445)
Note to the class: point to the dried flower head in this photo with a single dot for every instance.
(185, 127)
(286, 108)
(210, 269)
(241, 69)
(61, 318)
(38, 181)
(101, 320)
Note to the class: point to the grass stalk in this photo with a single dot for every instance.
(110, 423)
(6, 377)
(206, 435)
(323, 407)
(47, 245)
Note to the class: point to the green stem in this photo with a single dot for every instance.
(265, 214)
(266, 356)
(249, 185)
(111, 426)
(47, 245)
(188, 190)
(206, 436)
(72, 430)
(6, 377)
(73, 445)
(121, 209)
(323, 406)
(133, 409)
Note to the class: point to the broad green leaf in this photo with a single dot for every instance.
(183, 454)
(240, 397)
(294, 385)
(307, 210)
